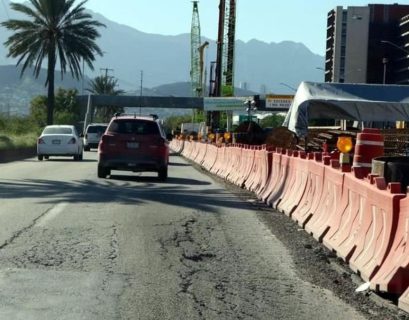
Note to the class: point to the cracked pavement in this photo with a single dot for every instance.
(131, 247)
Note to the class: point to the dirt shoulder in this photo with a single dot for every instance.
(9, 155)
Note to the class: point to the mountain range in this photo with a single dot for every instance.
(259, 66)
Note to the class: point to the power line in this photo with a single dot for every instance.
(106, 71)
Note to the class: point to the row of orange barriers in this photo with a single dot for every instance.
(364, 221)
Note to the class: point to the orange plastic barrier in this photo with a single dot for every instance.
(195, 150)
(176, 145)
(311, 198)
(378, 229)
(369, 216)
(265, 172)
(251, 171)
(272, 179)
(211, 156)
(202, 154)
(236, 163)
(226, 161)
(248, 158)
(325, 215)
(284, 175)
(238, 175)
(293, 194)
(201, 148)
(290, 179)
(404, 301)
(187, 149)
(221, 155)
(393, 276)
(256, 171)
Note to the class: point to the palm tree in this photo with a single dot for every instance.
(104, 85)
(57, 30)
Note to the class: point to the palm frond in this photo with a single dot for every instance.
(54, 30)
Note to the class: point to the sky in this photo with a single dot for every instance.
(266, 20)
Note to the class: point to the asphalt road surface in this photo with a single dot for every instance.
(73, 246)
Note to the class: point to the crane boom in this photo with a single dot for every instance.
(223, 83)
(227, 83)
(195, 75)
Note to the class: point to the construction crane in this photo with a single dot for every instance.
(195, 75)
(202, 77)
(223, 83)
(227, 51)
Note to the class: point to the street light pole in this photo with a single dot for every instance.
(288, 86)
(384, 61)
(395, 45)
(140, 93)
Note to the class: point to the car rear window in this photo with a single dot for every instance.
(141, 127)
(57, 130)
(95, 129)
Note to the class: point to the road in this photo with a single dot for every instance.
(73, 246)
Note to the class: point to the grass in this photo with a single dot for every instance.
(20, 141)
(17, 133)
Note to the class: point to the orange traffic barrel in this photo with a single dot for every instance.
(369, 145)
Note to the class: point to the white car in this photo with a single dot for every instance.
(59, 140)
(93, 134)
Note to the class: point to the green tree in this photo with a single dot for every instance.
(104, 85)
(273, 121)
(174, 122)
(67, 110)
(57, 30)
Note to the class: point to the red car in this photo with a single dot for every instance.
(133, 143)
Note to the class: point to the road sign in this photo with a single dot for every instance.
(224, 104)
(245, 117)
(278, 101)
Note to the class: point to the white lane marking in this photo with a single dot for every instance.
(50, 215)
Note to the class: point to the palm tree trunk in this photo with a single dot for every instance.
(50, 83)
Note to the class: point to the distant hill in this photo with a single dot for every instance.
(166, 59)
(16, 92)
(259, 66)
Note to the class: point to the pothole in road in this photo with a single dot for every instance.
(74, 249)
(197, 257)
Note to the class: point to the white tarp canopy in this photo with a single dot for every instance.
(346, 101)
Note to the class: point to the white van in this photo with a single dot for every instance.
(93, 134)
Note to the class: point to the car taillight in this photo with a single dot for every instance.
(107, 141)
(72, 141)
(159, 142)
(40, 141)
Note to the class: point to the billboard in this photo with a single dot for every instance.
(278, 101)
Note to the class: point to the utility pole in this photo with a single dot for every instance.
(106, 71)
(83, 67)
(140, 93)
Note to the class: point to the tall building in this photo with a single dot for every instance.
(402, 63)
(366, 44)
